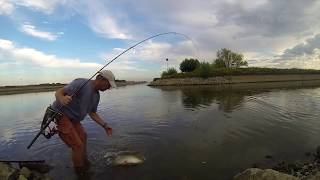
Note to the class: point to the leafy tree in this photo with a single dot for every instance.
(227, 59)
(188, 65)
(219, 63)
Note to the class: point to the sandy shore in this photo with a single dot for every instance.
(6, 90)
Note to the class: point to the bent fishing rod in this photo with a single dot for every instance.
(43, 127)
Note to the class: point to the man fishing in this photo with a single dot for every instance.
(75, 107)
(75, 101)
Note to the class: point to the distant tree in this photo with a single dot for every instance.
(219, 63)
(189, 65)
(227, 59)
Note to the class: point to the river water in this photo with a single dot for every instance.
(184, 133)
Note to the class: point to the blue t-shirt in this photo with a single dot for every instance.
(84, 102)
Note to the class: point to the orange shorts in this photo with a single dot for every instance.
(74, 136)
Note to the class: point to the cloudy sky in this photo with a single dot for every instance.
(58, 40)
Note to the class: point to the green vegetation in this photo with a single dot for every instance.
(189, 65)
(170, 73)
(205, 73)
(227, 63)
(228, 59)
(204, 70)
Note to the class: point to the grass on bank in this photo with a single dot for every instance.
(206, 70)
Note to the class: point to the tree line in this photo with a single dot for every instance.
(225, 59)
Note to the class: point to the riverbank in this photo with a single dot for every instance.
(23, 172)
(225, 80)
(7, 90)
(306, 169)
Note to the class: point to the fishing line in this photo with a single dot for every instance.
(77, 90)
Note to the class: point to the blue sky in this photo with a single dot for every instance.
(58, 40)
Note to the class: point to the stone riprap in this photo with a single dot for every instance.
(259, 174)
(8, 172)
(220, 80)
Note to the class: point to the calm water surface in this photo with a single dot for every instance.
(184, 133)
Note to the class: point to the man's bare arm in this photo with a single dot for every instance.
(95, 116)
(62, 97)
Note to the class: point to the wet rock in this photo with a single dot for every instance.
(298, 174)
(293, 166)
(25, 172)
(21, 177)
(39, 167)
(259, 174)
(316, 177)
(7, 172)
(305, 167)
(36, 175)
(46, 178)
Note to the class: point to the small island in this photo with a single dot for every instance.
(230, 68)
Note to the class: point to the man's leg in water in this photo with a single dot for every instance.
(69, 135)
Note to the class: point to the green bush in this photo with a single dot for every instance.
(170, 72)
(189, 65)
(204, 70)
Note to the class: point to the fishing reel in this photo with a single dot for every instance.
(49, 129)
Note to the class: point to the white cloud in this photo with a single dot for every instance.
(44, 6)
(197, 19)
(22, 65)
(106, 26)
(151, 52)
(99, 17)
(248, 4)
(6, 7)
(6, 45)
(32, 66)
(35, 58)
(101, 20)
(259, 29)
(32, 31)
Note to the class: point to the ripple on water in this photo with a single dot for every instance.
(169, 126)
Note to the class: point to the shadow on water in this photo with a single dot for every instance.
(231, 96)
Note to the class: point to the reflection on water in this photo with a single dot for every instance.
(183, 132)
(227, 100)
(230, 96)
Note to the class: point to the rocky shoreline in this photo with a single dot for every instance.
(308, 169)
(23, 172)
(225, 80)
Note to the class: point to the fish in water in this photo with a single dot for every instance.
(125, 159)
